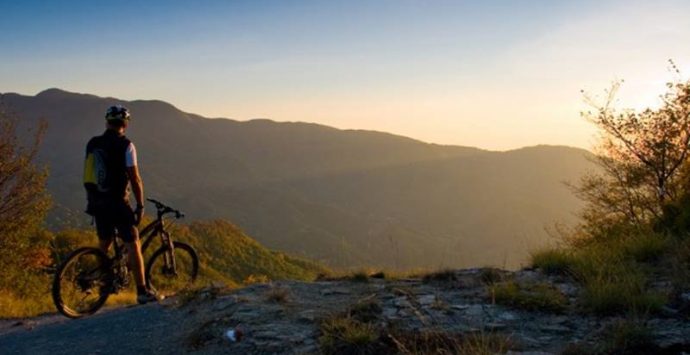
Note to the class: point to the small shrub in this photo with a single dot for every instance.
(533, 297)
(256, 279)
(359, 276)
(441, 342)
(199, 293)
(644, 248)
(345, 335)
(679, 263)
(628, 337)
(378, 275)
(490, 275)
(446, 275)
(618, 296)
(552, 261)
(277, 294)
(614, 285)
(365, 311)
(484, 344)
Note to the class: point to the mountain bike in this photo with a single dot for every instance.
(85, 280)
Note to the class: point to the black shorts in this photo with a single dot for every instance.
(115, 217)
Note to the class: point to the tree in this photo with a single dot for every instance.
(643, 156)
(23, 197)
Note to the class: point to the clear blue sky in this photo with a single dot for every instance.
(493, 74)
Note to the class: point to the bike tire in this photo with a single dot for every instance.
(165, 281)
(96, 274)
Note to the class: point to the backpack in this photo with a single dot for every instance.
(95, 180)
(103, 176)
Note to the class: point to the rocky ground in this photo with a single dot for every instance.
(454, 312)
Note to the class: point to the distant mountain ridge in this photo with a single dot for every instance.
(346, 197)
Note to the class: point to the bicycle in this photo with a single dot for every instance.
(85, 280)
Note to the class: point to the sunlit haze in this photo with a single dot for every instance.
(491, 74)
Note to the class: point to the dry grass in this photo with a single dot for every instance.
(122, 299)
(346, 335)
(13, 306)
(200, 293)
(442, 342)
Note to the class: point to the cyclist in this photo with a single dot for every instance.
(111, 165)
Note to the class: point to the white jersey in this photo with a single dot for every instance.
(131, 155)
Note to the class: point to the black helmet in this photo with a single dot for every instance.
(117, 112)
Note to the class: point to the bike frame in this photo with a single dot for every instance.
(147, 234)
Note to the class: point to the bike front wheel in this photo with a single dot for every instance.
(170, 271)
(81, 283)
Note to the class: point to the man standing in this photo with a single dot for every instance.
(111, 165)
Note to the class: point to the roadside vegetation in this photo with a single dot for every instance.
(631, 251)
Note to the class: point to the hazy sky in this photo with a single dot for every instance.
(492, 74)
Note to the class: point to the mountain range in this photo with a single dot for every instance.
(349, 198)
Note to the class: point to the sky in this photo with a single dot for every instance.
(491, 74)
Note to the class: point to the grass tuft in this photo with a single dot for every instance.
(277, 294)
(440, 342)
(613, 284)
(553, 261)
(533, 297)
(490, 275)
(628, 337)
(445, 275)
(346, 335)
(645, 248)
(359, 276)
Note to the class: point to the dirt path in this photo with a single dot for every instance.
(128, 330)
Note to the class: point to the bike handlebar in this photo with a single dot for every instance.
(163, 209)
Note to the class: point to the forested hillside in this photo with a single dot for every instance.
(345, 197)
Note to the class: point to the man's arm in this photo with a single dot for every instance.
(137, 185)
(135, 180)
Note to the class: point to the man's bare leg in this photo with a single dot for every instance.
(136, 260)
(104, 244)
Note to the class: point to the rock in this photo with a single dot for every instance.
(494, 326)
(559, 319)
(528, 353)
(508, 316)
(265, 334)
(568, 289)
(554, 328)
(335, 291)
(220, 306)
(527, 276)
(685, 297)
(307, 316)
(475, 310)
(426, 300)
(460, 307)
(402, 302)
(389, 312)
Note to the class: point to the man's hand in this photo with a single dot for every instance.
(138, 214)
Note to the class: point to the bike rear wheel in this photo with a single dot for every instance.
(170, 271)
(81, 283)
